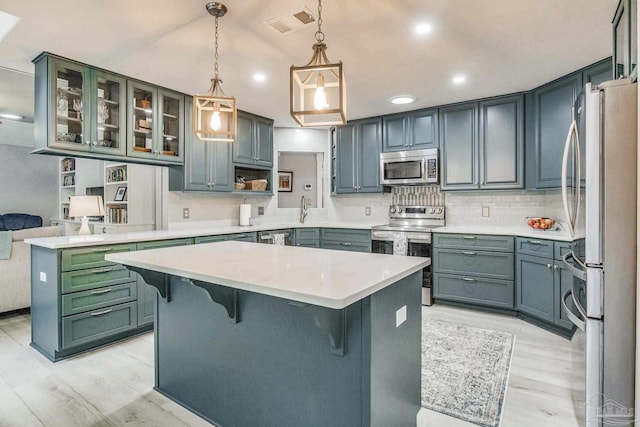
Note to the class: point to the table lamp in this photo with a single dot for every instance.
(84, 207)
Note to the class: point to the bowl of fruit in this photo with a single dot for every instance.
(541, 223)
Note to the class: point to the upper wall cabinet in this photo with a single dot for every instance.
(415, 130)
(254, 141)
(156, 123)
(482, 144)
(84, 111)
(78, 108)
(551, 116)
(625, 49)
(597, 73)
(357, 163)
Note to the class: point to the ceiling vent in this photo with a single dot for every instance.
(292, 20)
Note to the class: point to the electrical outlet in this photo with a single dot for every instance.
(185, 213)
(367, 211)
(485, 211)
(260, 210)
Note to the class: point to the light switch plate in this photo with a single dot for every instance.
(485, 211)
(401, 315)
(43, 277)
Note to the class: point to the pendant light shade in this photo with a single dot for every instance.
(215, 115)
(318, 89)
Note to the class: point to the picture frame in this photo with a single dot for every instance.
(285, 182)
(121, 193)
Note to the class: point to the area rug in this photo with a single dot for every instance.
(465, 371)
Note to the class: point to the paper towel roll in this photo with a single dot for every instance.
(245, 214)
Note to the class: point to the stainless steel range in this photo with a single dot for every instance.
(409, 233)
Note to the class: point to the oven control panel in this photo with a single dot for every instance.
(416, 212)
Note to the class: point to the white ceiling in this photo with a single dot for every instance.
(502, 46)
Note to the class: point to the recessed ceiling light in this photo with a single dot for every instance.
(423, 29)
(402, 99)
(7, 22)
(10, 116)
(459, 79)
(259, 77)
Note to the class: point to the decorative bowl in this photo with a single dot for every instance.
(541, 222)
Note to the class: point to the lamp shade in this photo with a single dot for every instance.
(80, 206)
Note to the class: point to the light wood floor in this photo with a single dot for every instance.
(114, 386)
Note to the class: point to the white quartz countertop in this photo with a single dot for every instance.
(511, 230)
(145, 236)
(329, 278)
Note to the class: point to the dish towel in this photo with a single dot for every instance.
(278, 239)
(6, 237)
(399, 244)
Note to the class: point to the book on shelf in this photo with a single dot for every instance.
(117, 174)
(118, 215)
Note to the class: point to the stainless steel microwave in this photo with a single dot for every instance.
(409, 167)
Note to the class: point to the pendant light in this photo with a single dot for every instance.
(318, 89)
(214, 114)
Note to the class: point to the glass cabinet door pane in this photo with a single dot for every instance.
(109, 116)
(143, 104)
(171, 125)
(70, 105)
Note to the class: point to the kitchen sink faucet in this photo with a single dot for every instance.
(303, 210)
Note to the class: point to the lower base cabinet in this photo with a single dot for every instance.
(345, 239)
(307, 237)
(488, 292)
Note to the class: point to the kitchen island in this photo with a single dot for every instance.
(249, 334)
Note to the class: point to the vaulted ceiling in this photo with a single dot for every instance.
(501, 46)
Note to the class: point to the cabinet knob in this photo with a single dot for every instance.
(555, 267)
(94, 143)
(87, 142)
(548, 265)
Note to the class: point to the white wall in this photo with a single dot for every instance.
(28, 182)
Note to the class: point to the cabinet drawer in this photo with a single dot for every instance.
(536, 247)
(163, 244)
(93, 325)
(308, 244)
(79, 302)
(561, 248)
(490, 292)
(346, 246)
(307, 234)
(496, 265)
(210, 239)
(346, 235)
(77, 259)
(473, 241)
(82, 280)
(243, 237)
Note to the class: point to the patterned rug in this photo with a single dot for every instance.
(465, 371)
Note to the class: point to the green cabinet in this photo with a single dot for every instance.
(254, 141)
(307, 237)
(345, 239)
(473, 269)
(207, 164)
(483, 144)
(79, 108)
(243, 237)
(357, 166)
(155, 123)
(415, 130)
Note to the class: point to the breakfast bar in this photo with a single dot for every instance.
(249, 334)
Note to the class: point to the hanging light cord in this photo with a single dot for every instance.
(319, 33)
(216, 49)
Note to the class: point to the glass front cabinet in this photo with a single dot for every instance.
(156, 128)
(88, 111)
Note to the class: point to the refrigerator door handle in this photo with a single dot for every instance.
(580, 273)
(572, 317)
(570, 211)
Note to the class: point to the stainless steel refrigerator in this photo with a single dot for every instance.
(602, 147)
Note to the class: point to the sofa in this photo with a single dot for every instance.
(15, 272)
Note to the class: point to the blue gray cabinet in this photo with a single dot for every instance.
(243, 237)
(552, 106)
(625, 29)
(307, 237)
(358, 146)
(483, 144)
(597, 73)
(254, 141)
(473, 269)
(146, 293)
(207, 165)
(345, 239)
(415, 130)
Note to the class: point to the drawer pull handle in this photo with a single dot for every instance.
(468, 279)
(470, 237)
(101, 270)
(101, 291)
(102, 250)
(345, 244)
(534, 242)
(468, 253)
(100, 313)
